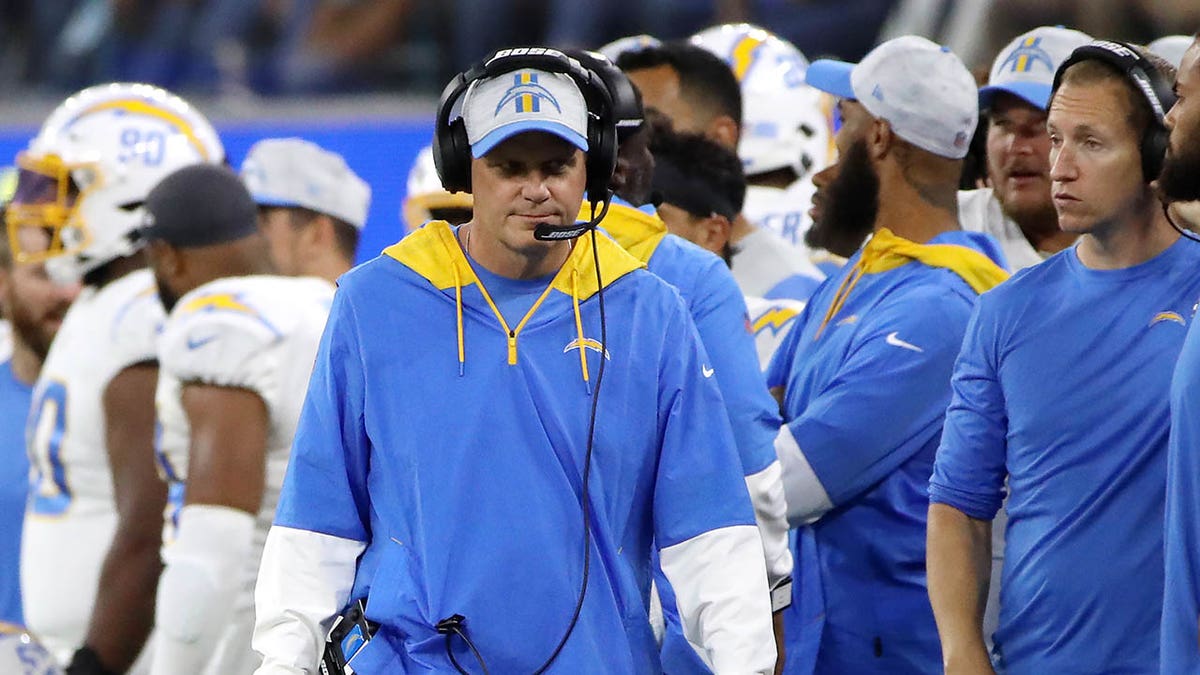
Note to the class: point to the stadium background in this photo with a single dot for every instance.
(361, 77)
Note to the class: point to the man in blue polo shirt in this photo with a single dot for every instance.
(1179, 184)
(1061, 388)
(865, 372)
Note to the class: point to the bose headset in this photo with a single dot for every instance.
(452, 157)
(452, 151)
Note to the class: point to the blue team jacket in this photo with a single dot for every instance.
(454, 448)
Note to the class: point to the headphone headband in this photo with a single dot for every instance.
(1134, 65)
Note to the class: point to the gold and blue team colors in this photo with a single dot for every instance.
(258, 333)
(438, 463)
(1062, 389)
(719, 311)
(866, 372)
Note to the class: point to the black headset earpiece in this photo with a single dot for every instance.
(628, 112)
(1147, 79)
(452, 151)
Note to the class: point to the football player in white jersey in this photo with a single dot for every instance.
(699, 93)
(786, 134)
(91, 428)
(235, 356)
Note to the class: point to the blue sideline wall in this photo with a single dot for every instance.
(380, 151)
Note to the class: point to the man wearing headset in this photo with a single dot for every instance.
(1061, 388)
(1179, 185)
(502, 418)
(715, 304)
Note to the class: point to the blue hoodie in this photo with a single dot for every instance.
(449, 447)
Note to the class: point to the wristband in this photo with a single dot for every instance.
(781, 595)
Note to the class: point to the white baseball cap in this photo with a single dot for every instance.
(923, 90)
(292, 172)
(524, 100)
(1171, 47)
(1026, 66)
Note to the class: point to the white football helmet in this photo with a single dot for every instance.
(84, 177)
(782, 121)
(22, 654)
(426, 196)
(632, 43)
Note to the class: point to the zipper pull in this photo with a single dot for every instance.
(512, 348)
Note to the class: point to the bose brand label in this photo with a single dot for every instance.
(527, 51)
(1119, 49)
(560, 234)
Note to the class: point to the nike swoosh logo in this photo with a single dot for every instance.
(894, 340)
(193, 343)
(706, 371)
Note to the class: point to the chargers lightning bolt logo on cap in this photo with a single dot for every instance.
(527, 95)
(1028, 53)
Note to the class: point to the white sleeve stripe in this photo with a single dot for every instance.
(806, 498)
(304, 582)
(721, 593)
(770, 512)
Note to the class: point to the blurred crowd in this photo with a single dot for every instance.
(272, 47)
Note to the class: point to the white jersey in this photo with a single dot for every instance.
(71, 517)
(770, 321)
(782, 211)
(979, 211)
(765, 266)
(258, 333)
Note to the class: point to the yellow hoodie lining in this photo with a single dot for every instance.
(886, 251)
(637, 232)
(434, 253)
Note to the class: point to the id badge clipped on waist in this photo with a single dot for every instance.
(350, 633)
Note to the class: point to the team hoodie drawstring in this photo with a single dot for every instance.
(458, 315)
(583, 364)
(512, 333)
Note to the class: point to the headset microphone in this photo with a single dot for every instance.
(560, 232)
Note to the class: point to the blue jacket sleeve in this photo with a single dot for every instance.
(325, 488)
(699, 484)
(969, 471)
(719, 311)
(889, 396)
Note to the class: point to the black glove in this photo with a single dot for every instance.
(85, 661)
